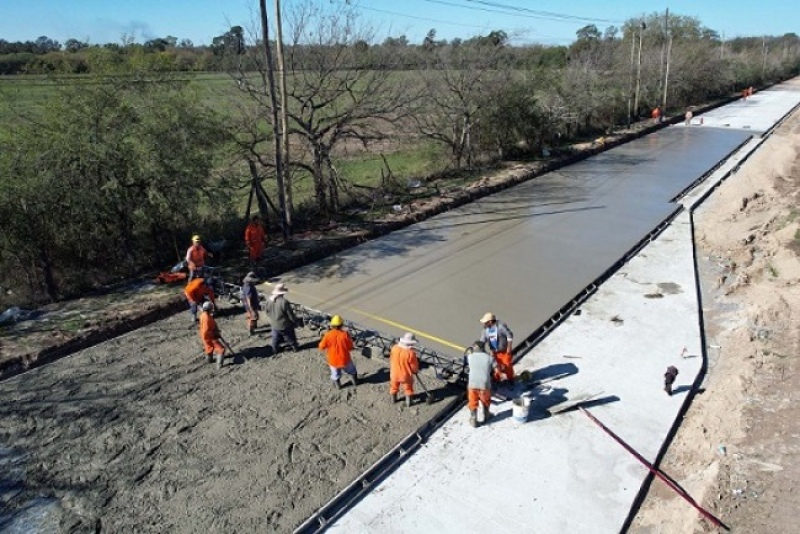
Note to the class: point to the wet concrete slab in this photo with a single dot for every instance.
(522, 253)
(757, 114)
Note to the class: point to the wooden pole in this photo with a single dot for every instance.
(638, 72)
(287, 180)
(666, 72)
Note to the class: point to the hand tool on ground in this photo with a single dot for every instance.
(657, 472)
(428, 396)
(230, 349)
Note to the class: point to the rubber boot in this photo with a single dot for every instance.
(393, 397)
(251, 331)
(473, 418)
(408, 401)
(219, 361)
(337, 384)
(354, 379)
(486, 414)
(209, 358)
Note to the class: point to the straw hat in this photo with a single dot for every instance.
(280, 289)
(488, 316)
(408, 340)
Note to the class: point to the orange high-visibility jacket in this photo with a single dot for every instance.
(209, 332)
(196, 256)
(403, 364)
(254, 234)
(196, 290)
(338, 343)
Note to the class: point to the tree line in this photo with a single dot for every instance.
(114, 175)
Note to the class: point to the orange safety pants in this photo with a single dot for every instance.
(475, 395)
(255, 251)
(252, 318)
(505, 365)
(213, 347)
(408, 387)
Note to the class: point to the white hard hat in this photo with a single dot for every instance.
(208, 306)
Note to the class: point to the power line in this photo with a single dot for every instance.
(425, 19)
(505, 9)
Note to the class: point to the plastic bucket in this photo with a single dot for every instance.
(519, 409)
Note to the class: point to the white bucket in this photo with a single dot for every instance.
(519, 409)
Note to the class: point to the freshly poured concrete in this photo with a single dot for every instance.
(523, 253)
(562, 473)
(757, 114)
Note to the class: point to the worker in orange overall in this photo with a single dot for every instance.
(403, 367)
(498, 338)
(255, 237)
(196, 292)
(196, 257)
(656, 115)
(210, 335)
(338, 343)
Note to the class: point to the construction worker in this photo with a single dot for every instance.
(499, 338)
(282, 318)
(196, 257)
(479, 384)
(403, 367)
(251, 301)
(255, 237)
(196, 292)
(338, 343)
(210, 335)
(687, 119)
(656, 115)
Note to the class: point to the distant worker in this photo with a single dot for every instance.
(255, 237)
(338, 344)
(750, 91)
(196, 292)
(210, 335)
(251, 301)
(745, 93)
(196, 257)
(282, 319)
(687, 119)
(479, 384)
(498, 338)
(403, 367)
(656, 114)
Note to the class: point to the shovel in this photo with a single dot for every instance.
(230, 349)
(429, 398)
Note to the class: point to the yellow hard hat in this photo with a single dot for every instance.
(336, 320)
(195, 238)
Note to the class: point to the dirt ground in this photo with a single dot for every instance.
(738, 449)
(139, 434)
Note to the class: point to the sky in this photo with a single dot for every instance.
(526, 21)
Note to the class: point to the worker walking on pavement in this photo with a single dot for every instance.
(338, 343)
(498, 338)
(255, 237)
(196, 257)
(282, 318)
(210, 335)
(196, 292)
(479, 384)
(251, 301)
(403, 367)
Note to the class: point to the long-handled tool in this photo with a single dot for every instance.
(429, 398)
(230, 349)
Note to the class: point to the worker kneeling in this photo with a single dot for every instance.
(403, 367)
(338, 344)
(210, 335)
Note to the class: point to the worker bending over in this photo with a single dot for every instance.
(403, 367)
(210, 335)
(479, 383)
(338, 344)
(196, 292)
(498, 338)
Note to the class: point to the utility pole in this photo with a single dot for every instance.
(275, 125)
(638, 72)
(630, 75)
(287, 180)
(666, 71)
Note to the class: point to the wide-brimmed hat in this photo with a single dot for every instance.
(250, 278)
(408, 339)
(488, 316)
(195, 239)
(280, 289)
